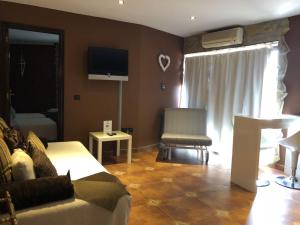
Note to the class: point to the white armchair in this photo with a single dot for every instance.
(186, 128)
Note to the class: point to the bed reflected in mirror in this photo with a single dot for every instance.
(33, 81)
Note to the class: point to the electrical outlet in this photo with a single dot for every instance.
(128, 130)
(76, 97)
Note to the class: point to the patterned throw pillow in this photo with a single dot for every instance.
(41, 163)
(14, 139)
(3, 124)
(44, 141)
(35, 141)
(5, 163)
(30, 193)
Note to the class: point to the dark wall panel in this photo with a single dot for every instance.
(33, 77)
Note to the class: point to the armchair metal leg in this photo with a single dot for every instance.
(170, 153)
(165, 152)
(202, 160)
(206, 156)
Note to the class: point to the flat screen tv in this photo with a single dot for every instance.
(107, 64)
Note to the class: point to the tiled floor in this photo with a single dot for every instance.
(185, 194)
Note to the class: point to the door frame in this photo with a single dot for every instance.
(4, 75)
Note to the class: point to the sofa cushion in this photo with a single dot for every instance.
(35, 141)
(22, 166)
(41, 163)
(5, 163)
(35, 192)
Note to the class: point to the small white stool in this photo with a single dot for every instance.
(291, 143)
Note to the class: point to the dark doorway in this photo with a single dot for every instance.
(34, 80)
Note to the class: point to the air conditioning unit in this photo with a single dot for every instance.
(223, 38)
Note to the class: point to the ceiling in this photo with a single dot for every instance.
(173, 16)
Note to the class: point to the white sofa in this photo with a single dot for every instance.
(75, 157)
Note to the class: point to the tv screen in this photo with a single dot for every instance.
(107, 64)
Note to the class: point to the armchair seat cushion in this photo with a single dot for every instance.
(186, 139)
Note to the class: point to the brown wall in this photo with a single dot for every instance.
(143, 100)
(292, 78)
(151, 99)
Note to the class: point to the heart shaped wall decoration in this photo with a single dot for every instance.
(164, 61)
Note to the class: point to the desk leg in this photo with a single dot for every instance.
(118, 148)
(100, 151)
(91, 144)
(129, 150)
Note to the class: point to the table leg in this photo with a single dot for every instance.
(129, 150)
(91, 144)
(100, 151)
(118, 148)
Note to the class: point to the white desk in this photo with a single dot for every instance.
(102, 137)
(246, 146)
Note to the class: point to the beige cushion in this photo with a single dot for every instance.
(186, 139)
(35, 141)
(185, 121)
(5, 163)
(3, 124)
(22, 166)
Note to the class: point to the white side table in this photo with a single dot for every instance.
(102, 137)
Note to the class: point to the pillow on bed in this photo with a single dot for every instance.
(5, 163)
(22, 166)
(14, 139)
(12, 112)
(35, 141)
(39, 191)
(41, 163)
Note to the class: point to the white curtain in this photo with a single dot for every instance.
(195, 85)
(226, 83)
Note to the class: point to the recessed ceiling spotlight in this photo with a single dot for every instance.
(121, 2)
(193, 17)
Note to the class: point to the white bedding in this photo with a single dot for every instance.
(74, 156)
(29, 115)
(37, 122)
